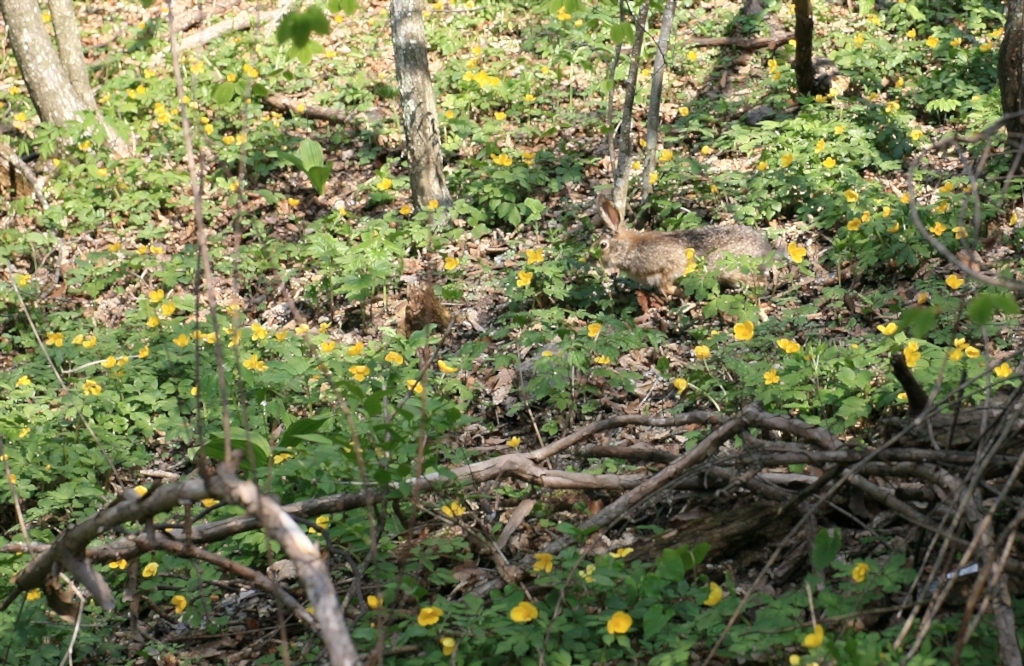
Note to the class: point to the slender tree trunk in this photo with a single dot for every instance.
(47, 82)
(802, 64)
(668, 17)
(69, 47)
(1011, 68)
(419, 110)
(624, 146)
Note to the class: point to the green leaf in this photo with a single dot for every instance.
(297, 26)
(224, 93)
(318, 177)
(655, 620)
(292, 434)
(622, 33)
(982, 307)
(919, 321)
(826, 546)
(310, 154)
(239, 441)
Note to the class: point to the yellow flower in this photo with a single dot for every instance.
(258, 331)
(911, 354)
(860, 572)
(108, 363)
(524, 279)
(414, 386)
(593, 330)
(384, 184)
(702, 352)
(938, 228)
(912, 33)
(502, 160)
(406, 209)
(839, 129)
(744, 330)
(971, 351)
(771, 377)
(901, 396)
(118, 564)
(706, 150)
(359, 372)
(23, 381)
(680, 385)
(762, 166)
(602, 360)
(922, 298)
(455, 509)
(451, 263)
(167, 309)
(543, 562)
(394, 358)
(429, 615)
(819, 147)
(91, 388)
(156, 296)
(851, 196)
(932, 42)
(691, 56)
(150, 570)
(153, 321)
(954, 281)
(829, 163)
(374, 602)
(523, 612)
(356, 349)
(433, 204)
(619, 623)
(534, 256)
(141, 491)
(665, 155)
(447, 645)
(959, 233)
(446, 368)
(32, 595)
(254, 363)
(796, 252)
(180, 603)
(328, 346)
(54, 339)
(281, 457)
(854, 224)
(955, 354)
(13, 478)
(1003, 370)
(528, 97)
(144, 352)
(514, 442)
(888, 329)
(788, 346)
(620, 553)
(714, 595)
(323, 522)
(23, 433)
(816, 638)
(563, 15)
(209, 502)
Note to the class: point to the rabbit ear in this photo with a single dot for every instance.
(610, 215)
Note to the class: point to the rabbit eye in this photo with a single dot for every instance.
(604, 244)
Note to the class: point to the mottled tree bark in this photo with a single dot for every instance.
(419, 110)
(48, 84)
(69, 47)
(802, 64)
(1011, 68)
(624, 144)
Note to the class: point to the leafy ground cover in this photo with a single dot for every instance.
(109, 364)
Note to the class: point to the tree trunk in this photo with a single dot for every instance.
(69, 46)
(624, 147)
(802, 64)
(47, 82)
(1011, 68)
(654, 108)
(419, 111)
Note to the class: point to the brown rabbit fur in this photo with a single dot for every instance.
(658, 259)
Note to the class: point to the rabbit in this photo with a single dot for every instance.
(658, 259)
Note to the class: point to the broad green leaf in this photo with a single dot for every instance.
(224, 93)
(826, 546)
